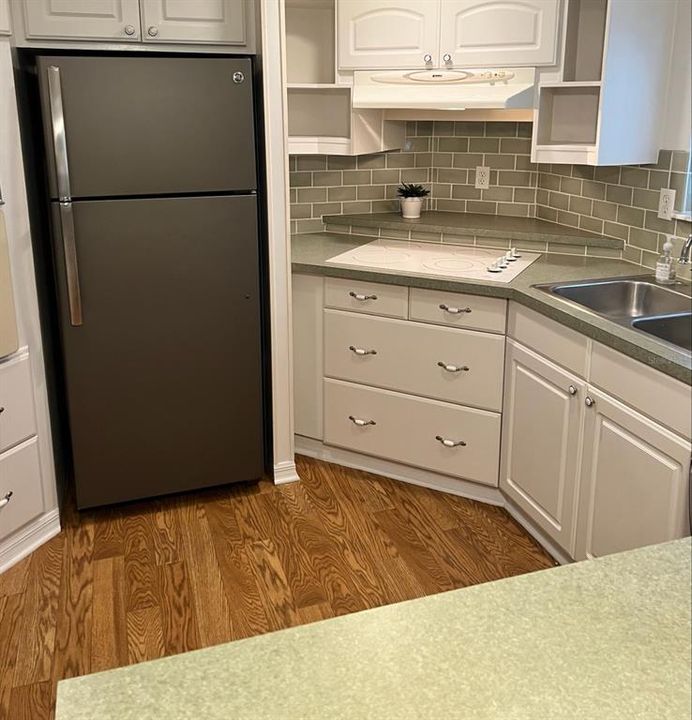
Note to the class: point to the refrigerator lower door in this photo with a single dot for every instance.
(163, 376)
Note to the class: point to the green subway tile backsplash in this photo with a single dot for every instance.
(619, 202)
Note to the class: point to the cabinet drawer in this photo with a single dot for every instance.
(20, 474)
(659, 396)
(405, 429)
(366, 297)
(457, 310)
(406, 356)
(17, 421)
(562, 345)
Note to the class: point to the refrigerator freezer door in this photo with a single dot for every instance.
(153, 126)
(163, 378)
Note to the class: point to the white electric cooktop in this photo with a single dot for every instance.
(420, 258)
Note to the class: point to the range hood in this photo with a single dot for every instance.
(445, 90)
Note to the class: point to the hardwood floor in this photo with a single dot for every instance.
(137, 582)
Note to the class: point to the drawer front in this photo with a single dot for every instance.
(558, 343)
(20, 474)
(456, 310)
(366, 297)
(406, 429)
(406, 356)
(17, 420)
(659, 396)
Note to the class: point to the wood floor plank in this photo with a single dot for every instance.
(153, 578)
(29, 702)
(109, 628)
(144, 635)
(35, 655)
(178, 617)
(14, 580)
(214, 616)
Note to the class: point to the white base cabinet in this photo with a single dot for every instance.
(543, 415)
(634, 480)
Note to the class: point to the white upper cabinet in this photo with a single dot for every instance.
(5, 26)
(496, 33)
(82, 19)
(472, 33)
(221, 22)
(633, 489)
(387, 33)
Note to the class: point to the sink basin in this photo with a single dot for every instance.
(675, 329)
(624, 298)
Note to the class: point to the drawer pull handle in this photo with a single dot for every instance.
(2, 410)
(361, 297)
(361, 351)
(453, 368)
(361, 423)
(450, 443)
(6, 499)
(454, 310)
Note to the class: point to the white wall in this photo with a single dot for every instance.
(676, 130)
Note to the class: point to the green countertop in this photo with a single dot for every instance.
(607, 639)
(311, 251)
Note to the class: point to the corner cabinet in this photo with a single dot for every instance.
(414, 33)
(214, 22)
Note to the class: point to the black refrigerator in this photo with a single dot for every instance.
(152, 175)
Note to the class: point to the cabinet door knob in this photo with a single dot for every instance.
(427, 58)
(130, 30)
(6, 499)
(453, 368)
(361, 423)
(572, 390)
(454, 310)
(361, 351)
(450, 443)
(152, 31)
(447, 58)
(361, 297)
(590, 402)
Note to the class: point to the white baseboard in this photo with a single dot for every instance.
(285, 472)
(26, 540)
(397, 471)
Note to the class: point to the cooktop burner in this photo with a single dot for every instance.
(436, 259)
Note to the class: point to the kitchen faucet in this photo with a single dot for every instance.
(686, 251)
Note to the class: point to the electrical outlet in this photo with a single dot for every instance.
(482, 177)
(666, 203)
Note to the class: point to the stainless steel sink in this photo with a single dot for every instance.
(625, 298)
(637, 302)
(674, 329)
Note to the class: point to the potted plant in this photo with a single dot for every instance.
(411, 199)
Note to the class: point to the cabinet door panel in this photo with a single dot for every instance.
(634, 484)
(5, 28)
(222, 22)
(542, 421)
(387, 33)
(82, 19)
(499, 33)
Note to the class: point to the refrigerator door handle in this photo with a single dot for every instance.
(74, 296)
(57, 115)
(62, 172)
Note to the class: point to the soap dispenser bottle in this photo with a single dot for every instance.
(665, 266)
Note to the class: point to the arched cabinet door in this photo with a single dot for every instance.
(498, 33)
(387, 33)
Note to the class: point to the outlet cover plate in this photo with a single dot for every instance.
(482, 177)
(666, 204)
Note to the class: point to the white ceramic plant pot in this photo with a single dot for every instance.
(411, 207)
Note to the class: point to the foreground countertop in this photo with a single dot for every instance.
(310, 253)
(608, 638)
